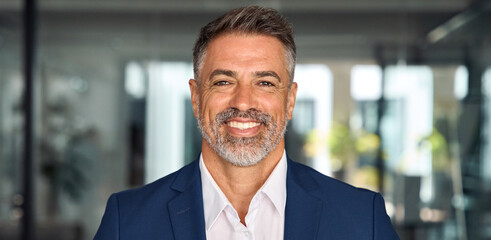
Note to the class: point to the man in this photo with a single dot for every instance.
(243, 186)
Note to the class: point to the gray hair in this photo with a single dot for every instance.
(247, 20)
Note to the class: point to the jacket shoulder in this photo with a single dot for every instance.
(143, 213)
(164, 187)
(327, 185)
(344, 206)
(161, 185)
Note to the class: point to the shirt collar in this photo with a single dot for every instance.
(275, 185)
(215, 201)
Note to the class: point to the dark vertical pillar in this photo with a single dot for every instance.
(29, 40)
(470, 140)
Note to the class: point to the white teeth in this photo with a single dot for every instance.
(243, 125)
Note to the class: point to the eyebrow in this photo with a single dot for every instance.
(267, 74)
(227, 73)
(233, 74)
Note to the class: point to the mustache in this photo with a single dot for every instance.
(251, 113)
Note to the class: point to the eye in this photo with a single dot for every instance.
(221, 83)
(266, 83)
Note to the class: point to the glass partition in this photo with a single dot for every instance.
(113, 109)
(11, 122)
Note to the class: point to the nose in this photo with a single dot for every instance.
(243, 97)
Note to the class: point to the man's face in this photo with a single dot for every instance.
(243, 101)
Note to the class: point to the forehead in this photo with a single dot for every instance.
(235, 50)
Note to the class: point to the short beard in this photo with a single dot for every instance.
(243, 151)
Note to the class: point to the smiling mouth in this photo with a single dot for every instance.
(243, 125)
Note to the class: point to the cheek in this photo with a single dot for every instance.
(211, 106)
(275, 105)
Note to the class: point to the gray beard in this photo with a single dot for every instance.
(243, 151)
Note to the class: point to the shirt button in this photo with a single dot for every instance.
(246, 234)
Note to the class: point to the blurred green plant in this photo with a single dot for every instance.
(66, 154)
(368, 144)
(351, 155)
(341, 142)
(439, 150)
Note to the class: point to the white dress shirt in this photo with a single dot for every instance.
(265, 218)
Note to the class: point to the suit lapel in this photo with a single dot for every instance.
(303, 210)
(186, 210)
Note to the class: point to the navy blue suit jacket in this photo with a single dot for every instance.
(317, 207)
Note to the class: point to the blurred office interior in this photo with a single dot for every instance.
(394, 96)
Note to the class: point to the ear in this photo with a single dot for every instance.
(292, 96)
(193, 87)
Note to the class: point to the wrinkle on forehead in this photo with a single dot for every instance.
(288, 65)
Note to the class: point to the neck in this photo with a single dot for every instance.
(240, 184)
